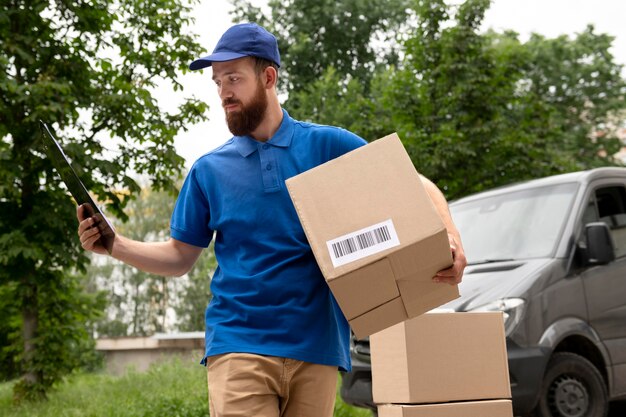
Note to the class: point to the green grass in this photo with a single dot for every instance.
(171, 389)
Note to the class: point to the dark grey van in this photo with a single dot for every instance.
(550, 254)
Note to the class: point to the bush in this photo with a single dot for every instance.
(171, 389)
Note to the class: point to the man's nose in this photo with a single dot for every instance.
(225, 92)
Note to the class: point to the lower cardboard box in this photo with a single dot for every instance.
(440, 358)
(490, 408)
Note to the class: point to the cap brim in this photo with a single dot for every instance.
(207, 61)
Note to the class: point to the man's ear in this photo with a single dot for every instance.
(270, 77)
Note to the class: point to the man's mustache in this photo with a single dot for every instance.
(230, 101)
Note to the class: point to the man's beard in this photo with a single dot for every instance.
(245, 121)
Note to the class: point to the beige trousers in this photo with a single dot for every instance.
(246, 385)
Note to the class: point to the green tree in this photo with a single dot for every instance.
(583, 97)
(89, 68)
(138, 301)
(352, 36)
(474, 110)
(149, 294)
(335, 99)
(333, 53)
(193, 299)
(449, 101)
(481, 110)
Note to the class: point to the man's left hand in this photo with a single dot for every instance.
(454, 274)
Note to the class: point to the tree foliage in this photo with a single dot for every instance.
(139, 303)
(482, 110)
(475, 110)
(353, 36)
(195, 295)
(67, 316)
(89, 69)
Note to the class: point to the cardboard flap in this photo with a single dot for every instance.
(422, 296)
(414, 268)
(380, 318)
(425, 257)
(365, 288)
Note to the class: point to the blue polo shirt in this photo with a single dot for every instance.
(269, 296)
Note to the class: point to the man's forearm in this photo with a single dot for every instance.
(454, 274)
(169, 258)
(439, 200)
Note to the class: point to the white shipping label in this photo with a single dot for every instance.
(365, 242)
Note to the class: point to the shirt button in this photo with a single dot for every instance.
(268, 167)
(266, 146)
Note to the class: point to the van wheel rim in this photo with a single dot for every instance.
(568, 397)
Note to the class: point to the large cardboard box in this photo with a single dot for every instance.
(441, 357)
(494, 408)
(375, 233)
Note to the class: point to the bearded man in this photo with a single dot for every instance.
(275, 337)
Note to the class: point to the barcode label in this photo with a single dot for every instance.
(361, 243)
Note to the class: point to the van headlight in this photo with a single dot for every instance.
(513, 309)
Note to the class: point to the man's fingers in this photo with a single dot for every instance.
(89, 240)
(80, 212)
(456, 279)
(85, 225)
(88, 243)
(447, 272)
(90, 234)
(85, 222)
(447, 280)
(452, 275)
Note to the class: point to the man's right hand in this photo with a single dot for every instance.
(88, 232)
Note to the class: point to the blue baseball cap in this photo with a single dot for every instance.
(245, 39)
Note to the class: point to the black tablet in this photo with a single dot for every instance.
(76, 187)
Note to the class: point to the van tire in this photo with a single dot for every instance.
(572, 387)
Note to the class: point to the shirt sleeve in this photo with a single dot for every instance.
(347, 142)
(190, 219)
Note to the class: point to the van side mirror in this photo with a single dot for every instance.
(600, 248)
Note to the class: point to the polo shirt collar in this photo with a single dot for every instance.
(246, 145)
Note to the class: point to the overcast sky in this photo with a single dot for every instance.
(550, 18)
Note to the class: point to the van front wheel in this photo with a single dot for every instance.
(572, 387)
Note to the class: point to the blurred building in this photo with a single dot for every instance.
(138, 353)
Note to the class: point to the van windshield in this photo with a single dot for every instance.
(515, 225)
